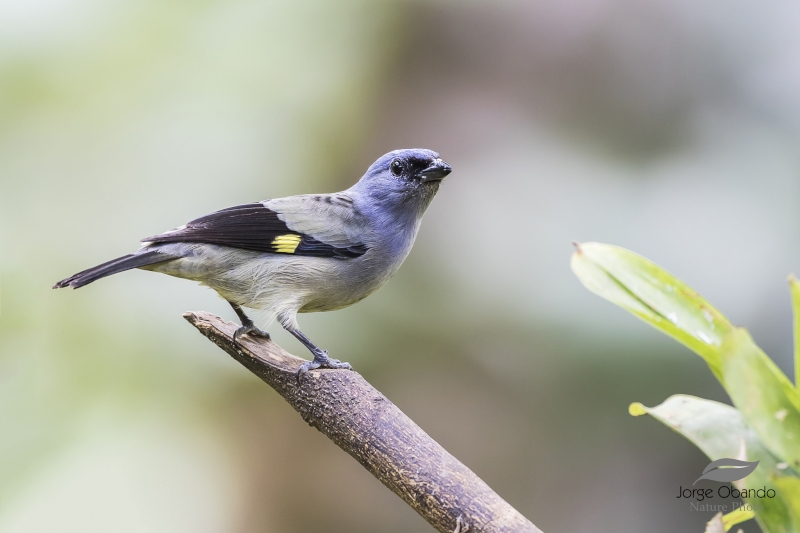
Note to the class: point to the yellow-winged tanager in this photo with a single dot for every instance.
(301, 254)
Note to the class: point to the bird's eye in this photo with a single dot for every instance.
(397, 167)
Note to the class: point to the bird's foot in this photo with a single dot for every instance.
(250, 330)
(321, 360)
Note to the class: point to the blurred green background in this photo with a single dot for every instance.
(668, 127)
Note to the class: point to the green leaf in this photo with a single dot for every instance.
(794, 287)
(722, 523)
(790, 490)
(763, 394)
(720, 430)
(654, 295)
(736, 517)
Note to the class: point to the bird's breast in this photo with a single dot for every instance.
(351, 280)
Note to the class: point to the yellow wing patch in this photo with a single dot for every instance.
(286, 244)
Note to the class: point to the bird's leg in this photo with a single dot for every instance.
(248, 328)
(321, 359)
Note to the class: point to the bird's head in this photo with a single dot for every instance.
(404, 178)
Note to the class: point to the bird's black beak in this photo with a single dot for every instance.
(436, 171)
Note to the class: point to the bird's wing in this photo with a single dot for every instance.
(330, 218)
(299, 225)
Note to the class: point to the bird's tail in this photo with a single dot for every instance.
(120, 264)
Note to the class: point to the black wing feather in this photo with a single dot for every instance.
(311, 246)
(251, 227)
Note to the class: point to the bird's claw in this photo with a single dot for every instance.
(321, 360)
(250, 330)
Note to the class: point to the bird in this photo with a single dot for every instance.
(299, 254)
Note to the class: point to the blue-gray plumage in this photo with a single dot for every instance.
(298, 254)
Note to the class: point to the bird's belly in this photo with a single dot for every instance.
(347, 283)
(281, 282)
(333, 298)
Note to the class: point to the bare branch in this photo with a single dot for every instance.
(362, 422)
